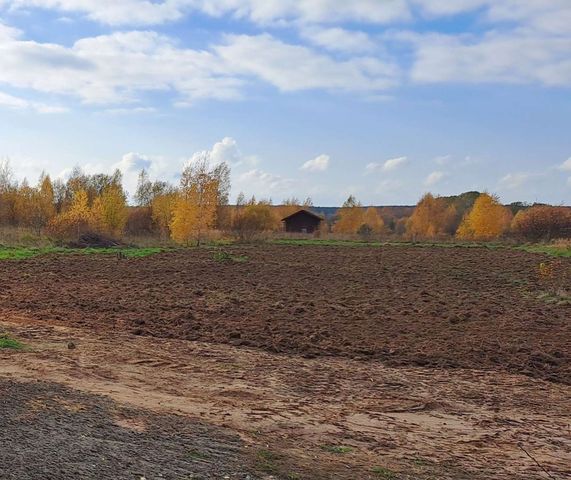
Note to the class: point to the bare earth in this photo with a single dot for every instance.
(218, 410)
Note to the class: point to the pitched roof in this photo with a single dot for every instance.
(303, 210)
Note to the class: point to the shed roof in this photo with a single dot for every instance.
(303, 210)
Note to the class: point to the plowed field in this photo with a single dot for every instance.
(444, 307)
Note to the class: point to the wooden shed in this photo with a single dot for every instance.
(302, 221)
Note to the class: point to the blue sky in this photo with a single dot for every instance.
(384, 99)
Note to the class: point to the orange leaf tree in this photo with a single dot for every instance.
(350, 216)
(431, 218)
(488, 219)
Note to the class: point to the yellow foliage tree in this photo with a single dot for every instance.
(431, 218)
(109, 210)
(184, 220)
(76, 219)
(253, 218)
(23, 204)
(351, 217)
(373, 220)
(162, 207)
(42, 205)
(487, 220)
(194, 212)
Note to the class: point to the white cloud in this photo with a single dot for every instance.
(129, 111)
(339, 39)
(514, 181)
(147, 12)
(293, 67)
(546, 15)
(443, 159)
(394, 163)
(113, 12)
(566, 165)
(434, 178)
(117, 68)
(225, 151)
(519, 56)
(387, 186)
(387, 166)
(131, 164)
(318, 164)
(263, 184)
(17, 103)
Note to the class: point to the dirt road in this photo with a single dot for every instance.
(279, 416)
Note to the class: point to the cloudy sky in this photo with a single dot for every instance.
(384, 99)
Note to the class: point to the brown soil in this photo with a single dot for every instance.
(439, 307)
(52, 432)
(427, 364)
(415, 423)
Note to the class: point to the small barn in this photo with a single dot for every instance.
(302, 221)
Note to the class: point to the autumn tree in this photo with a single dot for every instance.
(8, 194)
(109, 210)
(74, 221)
(350, 216)
(542, 222)
(373, 224)
(202, 191)
(291, 205)
(487, 220)
(252, 218)
(431, 218)
(43, 203)
(34, 206)
(162, 208)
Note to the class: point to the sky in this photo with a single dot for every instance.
(382, 99)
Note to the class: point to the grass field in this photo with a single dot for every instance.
(23, 252)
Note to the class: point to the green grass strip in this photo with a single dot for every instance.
(22, 253)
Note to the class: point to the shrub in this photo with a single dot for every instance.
(543, 223)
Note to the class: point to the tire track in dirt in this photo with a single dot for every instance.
(452, 424)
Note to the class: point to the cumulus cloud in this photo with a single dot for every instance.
(293, 67)
(434, 178)
(388, 165)
(263, 184)
(131, 165)
(514, 181)
(113, 68)
(318, 164)
(532, 46)
(123, 12)
(339, 39)
(117, 68)
(147, 12)
(496, 57)
(133, 162)
(566, 165)
(443, 159)
(225, 151)
(17, 103)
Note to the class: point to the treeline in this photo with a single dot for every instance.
(186, 213)
(191, 211)
(470, 216)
